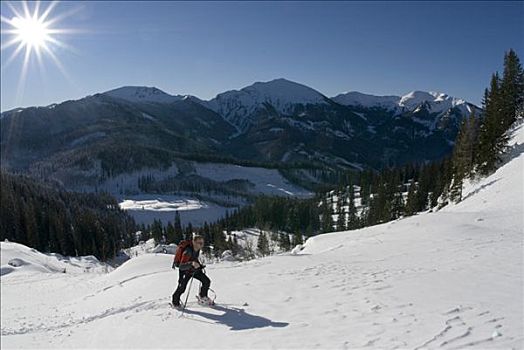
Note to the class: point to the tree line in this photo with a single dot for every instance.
(68, 223)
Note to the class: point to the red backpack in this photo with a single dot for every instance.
(181, 247)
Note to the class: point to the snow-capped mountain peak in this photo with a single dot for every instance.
(415, 98)
(282, 91)
(240, 106)
(142, 94)
(355, 98)
(434, 102)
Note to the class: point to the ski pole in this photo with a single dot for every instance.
(187, 295)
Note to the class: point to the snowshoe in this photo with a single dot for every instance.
(176, 306)
(205, 301)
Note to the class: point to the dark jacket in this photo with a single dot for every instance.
(188, 257)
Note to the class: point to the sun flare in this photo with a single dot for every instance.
(32, 32)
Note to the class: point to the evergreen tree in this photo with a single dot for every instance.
(489, 141)
(285, 242)
(365, 186)
(297, 239)
(352, 210)
(462, 160)
(327, 219)
(170, 233)
(411, 201)
(189, 232)
(503, 104)
(397, 198)
(263, 244)
(387, 195)
(423, 188)
(512, 89)
(179, 234)
(219, 239)
(208, 237)
(157, 231)
(309, 230)
(341, 213)
(31, 227)
(233, 245)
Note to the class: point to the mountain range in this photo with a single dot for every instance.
(276, 123)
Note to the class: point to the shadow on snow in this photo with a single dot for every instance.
(236, 319)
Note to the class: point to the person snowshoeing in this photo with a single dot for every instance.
(186, 259)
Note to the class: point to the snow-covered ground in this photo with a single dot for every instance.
(240, 106)
(159, 204)
(24, 260)
(142, 94)
(436, 102)
(452, 279)
(145, 208)
(264, 181)
(149, 247)
(195, 207)
(247, 239)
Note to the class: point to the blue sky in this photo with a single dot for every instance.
(203, 48)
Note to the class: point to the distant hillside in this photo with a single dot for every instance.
(277, 124)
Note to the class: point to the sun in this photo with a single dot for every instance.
(31, 29)
(32, 32)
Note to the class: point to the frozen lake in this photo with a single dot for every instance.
(145, 208)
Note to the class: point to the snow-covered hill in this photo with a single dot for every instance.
(355, 98)
(451, 279)
(435, 102)
(24, 260)
(142, 94)
(240, 107)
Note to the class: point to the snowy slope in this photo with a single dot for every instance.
(160, 204)
(355, 98)
(194, 207)
(263, 180)
(268, 181)
(24, 260)
(149, 247)
(452, 279)
(240, 106)
(436, 102)
(142, 94)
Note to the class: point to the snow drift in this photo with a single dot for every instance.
(21, 259)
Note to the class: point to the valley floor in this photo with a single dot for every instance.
(452, 279)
